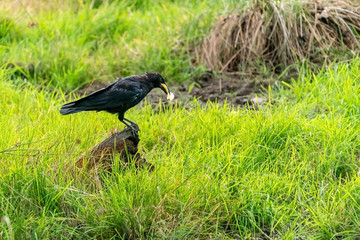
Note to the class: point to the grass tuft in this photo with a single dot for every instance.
(281, 33)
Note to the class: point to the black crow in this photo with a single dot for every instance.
(119, 96)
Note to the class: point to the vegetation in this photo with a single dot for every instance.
(278, 34)
(83, 43)
(289, 170)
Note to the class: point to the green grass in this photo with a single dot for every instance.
(288, 170)
(80, 43)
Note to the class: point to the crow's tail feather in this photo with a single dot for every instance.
(70, 108)
(93, 102)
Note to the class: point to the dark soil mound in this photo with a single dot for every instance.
(230, 88)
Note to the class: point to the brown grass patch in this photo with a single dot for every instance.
(280, 33)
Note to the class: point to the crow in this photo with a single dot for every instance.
(119, 96)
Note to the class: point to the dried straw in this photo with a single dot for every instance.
(280, 33)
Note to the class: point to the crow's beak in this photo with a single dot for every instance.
(170, 95)
(165, 88)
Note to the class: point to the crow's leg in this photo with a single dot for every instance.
(134, 128)
(121, 119)
(133, 125)
(127, 125)
(129, 121)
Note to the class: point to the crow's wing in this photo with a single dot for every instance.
(120, 95)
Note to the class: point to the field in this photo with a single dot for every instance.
(287, 170)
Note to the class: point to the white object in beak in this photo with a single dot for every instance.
(170, 96)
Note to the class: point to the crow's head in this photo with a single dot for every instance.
(158, 82)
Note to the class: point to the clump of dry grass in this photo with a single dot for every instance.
(280, 33)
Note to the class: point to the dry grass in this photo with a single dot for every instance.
(280, 33)
(33, 7)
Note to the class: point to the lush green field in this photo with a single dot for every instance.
(68, 49)
(287, 171)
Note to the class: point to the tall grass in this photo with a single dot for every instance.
(289, 170)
